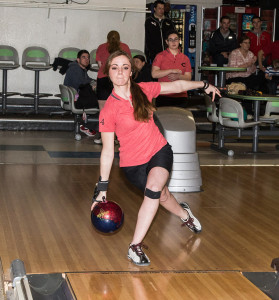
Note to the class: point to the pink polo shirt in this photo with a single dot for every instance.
(166, 60)
(139, 141)
(102, 55)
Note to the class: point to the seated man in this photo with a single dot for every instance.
(268, 54)
(77, 77)
(222, 42)
(143, 70)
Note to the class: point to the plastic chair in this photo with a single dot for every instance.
(231, 115)
(69, 93)
(36, 59)
(135, 52)
(69, 53)
(64, 101)
(211, 113)
(93, 63)
(8, 61)
(270, 108)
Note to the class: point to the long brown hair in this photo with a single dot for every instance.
(142, 107)
(113, 40)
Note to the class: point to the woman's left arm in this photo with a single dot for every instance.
(180, 86)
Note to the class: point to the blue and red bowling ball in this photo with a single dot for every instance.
(107, 217)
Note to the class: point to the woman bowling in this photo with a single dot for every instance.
(145, 156)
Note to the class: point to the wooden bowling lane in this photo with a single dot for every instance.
(45, 222)
(168, 285)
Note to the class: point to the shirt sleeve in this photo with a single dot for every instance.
(188, 67)
(107, 118)
(151, 89)
(158, 60)
(98, 58)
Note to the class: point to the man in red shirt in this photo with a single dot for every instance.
(259, 40)
(270, 53)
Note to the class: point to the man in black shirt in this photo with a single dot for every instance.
(222, 42)
(156, 28)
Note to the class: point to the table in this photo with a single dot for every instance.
(257, 100)
(222, 72)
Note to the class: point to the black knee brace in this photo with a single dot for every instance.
(151, 194)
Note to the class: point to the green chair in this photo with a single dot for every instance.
(8, 61)
(135, 52)
(231, 115)
(93, 63)
(64, 101)
(271, 114)
(211, 113)
(69, 94)
(69, 53)
(36, 59)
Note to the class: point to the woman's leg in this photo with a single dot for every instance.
(156, 181)
(168, 201)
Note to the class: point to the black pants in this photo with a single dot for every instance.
(220, 60)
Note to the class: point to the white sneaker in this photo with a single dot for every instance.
(137, 256)
(98, 141)
(192, 222)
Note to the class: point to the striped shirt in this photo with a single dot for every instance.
(272, 72)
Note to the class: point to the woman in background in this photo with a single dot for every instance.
(171, 65)
(104, 85)
(142, 70)
(242, 57)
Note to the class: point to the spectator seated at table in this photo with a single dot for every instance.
(222, 42)
(272, 74)
(266, 58)
(267, 55)
(242, 57)
(143, 70)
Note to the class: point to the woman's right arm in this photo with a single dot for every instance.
(106, 160)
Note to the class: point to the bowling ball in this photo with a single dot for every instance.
(107, 216)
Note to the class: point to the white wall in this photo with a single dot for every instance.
(55, 29)
(86, 27)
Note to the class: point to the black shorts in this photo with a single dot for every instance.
(104, 88)
(137, 175)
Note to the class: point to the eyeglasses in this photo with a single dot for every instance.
(173, 40)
